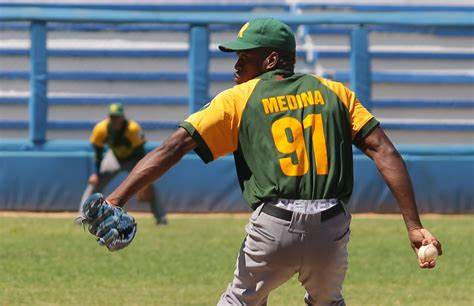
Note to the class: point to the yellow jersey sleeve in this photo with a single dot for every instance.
(134, 134)
(99, 134)
(215, 128)
(361, 120)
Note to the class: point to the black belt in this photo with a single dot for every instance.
(285, 214)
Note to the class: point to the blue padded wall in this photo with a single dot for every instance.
(54, 181)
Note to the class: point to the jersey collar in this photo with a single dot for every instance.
(272, 73)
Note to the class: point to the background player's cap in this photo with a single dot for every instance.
(116, 109)
(262, 32)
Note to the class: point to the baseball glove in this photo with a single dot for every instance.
(111, 224)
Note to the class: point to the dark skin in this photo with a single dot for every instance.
(116, 123)
(376, 145)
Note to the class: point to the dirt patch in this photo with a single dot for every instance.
(72, 215)
(34, 214)
(399, 216)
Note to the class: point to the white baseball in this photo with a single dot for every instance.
(427, 253)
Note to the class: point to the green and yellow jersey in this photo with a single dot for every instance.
(124, 143)
(291, 138)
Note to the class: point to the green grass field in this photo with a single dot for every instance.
(50, 261)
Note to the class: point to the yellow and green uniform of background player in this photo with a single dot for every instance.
(126, 143)
(291, 138)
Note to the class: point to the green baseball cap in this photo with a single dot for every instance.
(116, 109)
(262, 32)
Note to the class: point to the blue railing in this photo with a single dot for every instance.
(340, 75)
(313, 29)
(218, 54)
(433, 19)
(198, 77)
(249, 7)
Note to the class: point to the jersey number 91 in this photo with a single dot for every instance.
(295, 144)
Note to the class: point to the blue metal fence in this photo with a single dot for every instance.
(249, 7)
(311, 29)
(198, 77)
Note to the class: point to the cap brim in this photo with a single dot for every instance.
(236, 45)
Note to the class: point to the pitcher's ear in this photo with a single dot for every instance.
(271, 61)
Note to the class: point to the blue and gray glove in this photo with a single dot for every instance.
(111, 224)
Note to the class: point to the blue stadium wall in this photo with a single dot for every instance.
(53, 177)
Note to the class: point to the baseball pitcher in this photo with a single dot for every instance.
(291, 135)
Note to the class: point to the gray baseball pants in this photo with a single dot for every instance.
(109, 168)
(275, 249)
